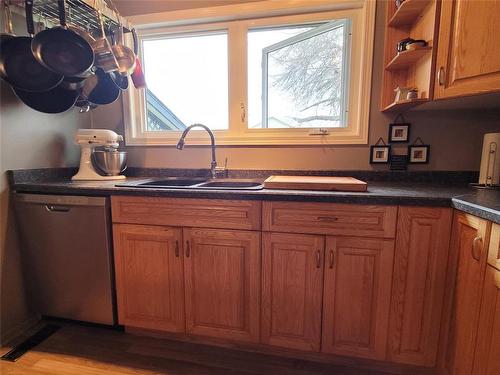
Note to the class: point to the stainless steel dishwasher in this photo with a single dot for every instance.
(67, 256)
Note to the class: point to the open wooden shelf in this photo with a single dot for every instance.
(406, 58)
(408, 12)
(404, 105)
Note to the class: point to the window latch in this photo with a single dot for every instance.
(319, 131)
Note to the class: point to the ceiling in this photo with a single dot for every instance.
(134, 7)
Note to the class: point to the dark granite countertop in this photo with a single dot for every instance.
(479, 202)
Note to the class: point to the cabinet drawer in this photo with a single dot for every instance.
(204, 213)
(330, 218)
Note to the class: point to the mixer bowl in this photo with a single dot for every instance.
(110, 163)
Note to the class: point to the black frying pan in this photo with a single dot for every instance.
(63, 51)
(19, 68)
(100, 88)
(57, 100)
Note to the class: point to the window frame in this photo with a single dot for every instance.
(362, 19)
(326, 27)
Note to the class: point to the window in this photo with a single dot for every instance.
(187, 81)
(289, 79)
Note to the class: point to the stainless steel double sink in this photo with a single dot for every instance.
(196, 183)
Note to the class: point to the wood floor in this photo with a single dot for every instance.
(82, 350)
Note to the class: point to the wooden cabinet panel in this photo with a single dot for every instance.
(357, 294)
(487, 359)
(222, 281)
(494, 250)
(420, 264)
(467, 267)
(292, 289)
(149, 277)
(467, 48)
(204, 213)
(330, 218)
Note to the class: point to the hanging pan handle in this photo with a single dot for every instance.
(28, 6)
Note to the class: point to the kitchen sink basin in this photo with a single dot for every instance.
(232, 184)
(172, 182)
(196, 183)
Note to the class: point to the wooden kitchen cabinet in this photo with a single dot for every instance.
(357, 294)
(468, 58)
(292, 290)
(222, 283)
(467, 266)
(418, 287)
(487, 358)
(149, 277)
(494, 251)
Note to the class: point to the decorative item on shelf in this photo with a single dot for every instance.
(380, 152)
(398, 163)
(412, 94)
(410, 44)
(399, 130)
(402, 93)
(418, 152)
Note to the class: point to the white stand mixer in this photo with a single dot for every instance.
(88, 139)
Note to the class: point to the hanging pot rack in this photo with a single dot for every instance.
(81, 13)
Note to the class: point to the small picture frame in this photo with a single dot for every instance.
(399, 132)
(380, 154)
(419, 154)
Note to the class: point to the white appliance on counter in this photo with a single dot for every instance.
(89, 140)
(489, 175)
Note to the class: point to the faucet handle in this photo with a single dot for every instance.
(221, 172)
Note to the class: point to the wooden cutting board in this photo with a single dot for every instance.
(315, 183)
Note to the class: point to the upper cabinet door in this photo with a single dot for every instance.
(149, 277)
(418, 287)
(468, 247)
(357, 294)
(468, 60)
(487, 360)
(222, 280)
(292, 290)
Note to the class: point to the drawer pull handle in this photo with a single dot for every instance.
(327, 218)
(177, 248)
(188, 249)
(318, 259)
(476, 250)
(332, 258)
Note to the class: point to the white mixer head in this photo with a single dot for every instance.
(98, 137)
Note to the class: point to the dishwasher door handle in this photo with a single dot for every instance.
(53, 208)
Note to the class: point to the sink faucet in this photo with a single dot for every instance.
(180, 145)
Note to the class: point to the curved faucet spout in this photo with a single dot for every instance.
(180, 144)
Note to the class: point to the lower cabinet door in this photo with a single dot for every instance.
(357, 294)
(418, 288)
(292, 289)
(487, 359)
(468, 252)
(149, 277)
(222, 281)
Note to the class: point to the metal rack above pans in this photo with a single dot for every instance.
(82, 13)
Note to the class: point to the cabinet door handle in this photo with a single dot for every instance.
(177, 248)
(441, 76)
(188, 249)
(332, 258)
(318, 259)
(476, 254)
